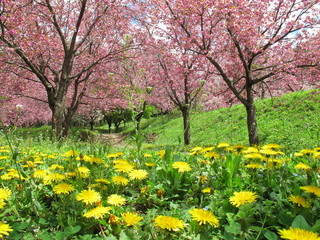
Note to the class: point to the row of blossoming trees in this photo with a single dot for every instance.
(62, 57)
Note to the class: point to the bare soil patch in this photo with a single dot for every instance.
(114, 139)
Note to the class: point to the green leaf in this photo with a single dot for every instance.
(20, 226)
(284, 218)
(46, 236)
(123, 236)
(316, 227)
(234, 228)
(111, 238)
(228, 236)
(15, 236)
(270, 235)
(42, 221)
(300, 222)
(60, 236)
(72, 230)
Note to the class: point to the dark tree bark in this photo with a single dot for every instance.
(186, 124)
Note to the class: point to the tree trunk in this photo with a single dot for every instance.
(60, 123)
(140, 115)
(252, 124)
(186, 124)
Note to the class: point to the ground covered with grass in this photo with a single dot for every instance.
(152, 187)
(217, 192)
(292, 120)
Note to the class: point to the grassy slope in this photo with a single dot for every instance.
(292, 120)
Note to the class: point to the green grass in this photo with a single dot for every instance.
(292, 120)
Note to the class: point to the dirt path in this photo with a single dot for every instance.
(114, 139)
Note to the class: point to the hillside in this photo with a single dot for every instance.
(292, 120)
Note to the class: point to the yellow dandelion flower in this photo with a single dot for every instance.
(203, 217)
(30, 164)
(12, 174)
(147, 155)
(298, 154)
(116, 200)
(207, 190)
(88, 196)
(56, 166)
(5, 193)
(237, 148)
(4, 157)
(71, 153)
(161, 153)
(97, 212)
(131, 219)
(138, 174)
(63, 188)
(40, 173)
(254, 156)
(83, 172)
(115, 155)
(53, 177)
(223, 145)
(112, 155)
(113, 220)
(241, 198)
(300, 201)
(316, 155)
(311, 189)
(82, 157)
(212, 155)
(205, 150)
(205, 162)
(271, 146)
(302, 166)
(4, 229)
(196, 149)
(203, 179)
(307, 151)
(95, 160)
(4, 150)
(2, 203)
(123, 167)
(120, 180)
(120, 161)
(270, 152)
(254, 165)
(71, 174)
(169, 223)
(273, 163)
(102, 180)
(250, 150)
(144, 189)
(298, 234)
(181, 166)
(149, 164)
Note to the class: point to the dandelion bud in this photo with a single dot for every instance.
(160, 193)
(113, 220)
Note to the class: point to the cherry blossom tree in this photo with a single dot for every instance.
(249, 43)
(182, 77)
(60, 47)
